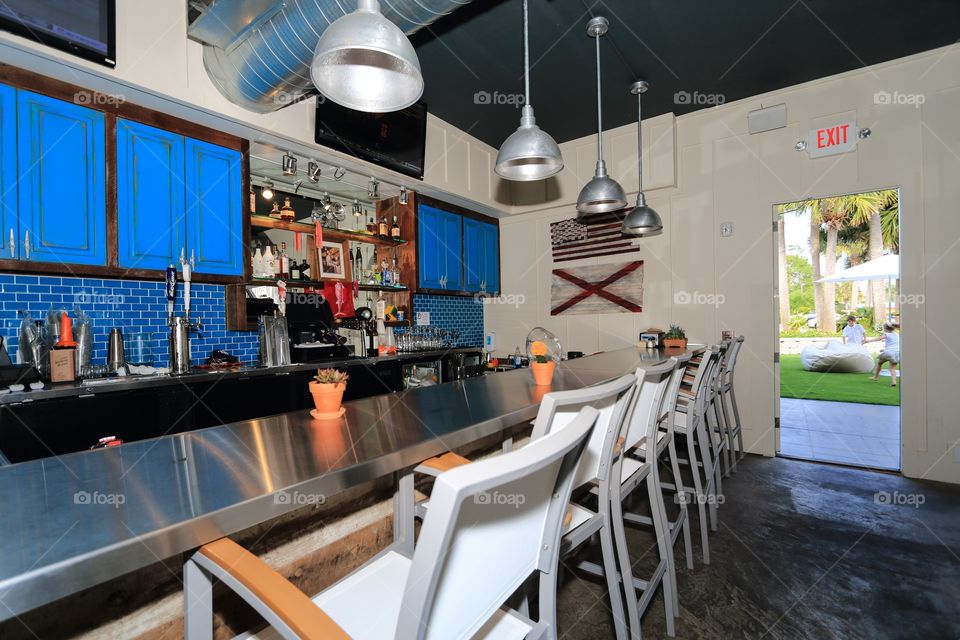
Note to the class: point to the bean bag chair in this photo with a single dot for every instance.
(836, 357)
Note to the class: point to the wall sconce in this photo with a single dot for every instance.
(404, 198)
(313, 171)
(289, 164)
(267, 191)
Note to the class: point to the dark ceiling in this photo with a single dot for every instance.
(734, 49)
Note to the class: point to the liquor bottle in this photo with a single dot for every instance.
(257, 263)
(275, 212)
(284, 262)
(286, 211)
(276, 262)
(517, 358)
(385, 275)
(358, 266)
(384, 230)
(294, 269)
(304, 269)
(395, 229)
(395, 278)
(381, 313)
(268, 263)
(371, 226)
(253, 201)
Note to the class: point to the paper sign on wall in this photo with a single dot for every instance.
(832, 140)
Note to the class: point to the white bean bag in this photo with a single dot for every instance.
(836, 357)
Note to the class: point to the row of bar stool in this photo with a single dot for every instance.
(497, 530)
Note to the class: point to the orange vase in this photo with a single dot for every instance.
(327, 397)
(543, 372)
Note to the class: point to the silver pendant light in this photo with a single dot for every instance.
(365, 62)
(602, 194)
(529, 153)
(641, 220)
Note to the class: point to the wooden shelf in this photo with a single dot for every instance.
(388, 289)
(290, 283)
(266, 222)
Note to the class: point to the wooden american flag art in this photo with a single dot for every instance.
(605, 288)
(572, 240)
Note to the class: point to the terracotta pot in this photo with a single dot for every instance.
(543, 372)
(675, 343)
(327, 397)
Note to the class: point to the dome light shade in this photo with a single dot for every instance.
(529, 153)
(641, 220)
(602, 194)
(364, 62)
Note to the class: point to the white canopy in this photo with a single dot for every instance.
(883, 268)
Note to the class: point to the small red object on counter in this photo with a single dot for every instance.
(66, 332)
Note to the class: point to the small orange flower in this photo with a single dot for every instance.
(538, 348)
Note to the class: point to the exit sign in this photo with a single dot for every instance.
(831, 140)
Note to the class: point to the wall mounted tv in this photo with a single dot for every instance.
(85, 28)
(395, 140)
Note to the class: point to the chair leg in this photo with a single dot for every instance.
(684, 513)
(612, 575)
(736, 417)
(700, 497)
(731, 431)
(724, 433)
(661, 528)
(547, 601)
(615, 518)
(198, 603)
(403, 514)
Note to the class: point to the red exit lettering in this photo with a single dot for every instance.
(832, 136)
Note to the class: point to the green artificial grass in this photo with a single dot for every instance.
(838, 387)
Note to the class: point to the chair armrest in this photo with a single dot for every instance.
(444, 462)
(290, 604)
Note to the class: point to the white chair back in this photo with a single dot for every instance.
(611, 399)
(669, 407)
(652, 384)
(491, 524)
(731, 360)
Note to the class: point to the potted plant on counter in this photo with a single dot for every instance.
(543, 352)
(327, 389)
(675, 338)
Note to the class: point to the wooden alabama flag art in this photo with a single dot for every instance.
(605, 288)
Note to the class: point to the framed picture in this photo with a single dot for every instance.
(333, 260)
(727, 334)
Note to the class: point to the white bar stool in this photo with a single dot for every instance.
(492, 525)
(728, 395)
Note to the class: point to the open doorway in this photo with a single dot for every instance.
(838, 308)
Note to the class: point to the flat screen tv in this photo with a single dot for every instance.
(396, 140)
(85, 28)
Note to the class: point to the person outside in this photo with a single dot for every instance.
(853, 333)
(890, 353)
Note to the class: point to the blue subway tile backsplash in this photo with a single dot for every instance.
(455, 313)
(131, 305)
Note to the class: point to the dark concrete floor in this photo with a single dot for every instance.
(804, 550)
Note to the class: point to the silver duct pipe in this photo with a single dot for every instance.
(270, 68)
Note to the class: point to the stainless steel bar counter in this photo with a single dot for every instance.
(72, 522)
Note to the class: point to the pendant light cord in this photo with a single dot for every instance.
(599, 108)
(526, 53)
(640, 139)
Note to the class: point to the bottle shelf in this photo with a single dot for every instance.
(386, 288)
(266, 222)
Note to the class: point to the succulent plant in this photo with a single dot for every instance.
(675, 333)
(331, 376)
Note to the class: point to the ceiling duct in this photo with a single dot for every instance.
(263, 62)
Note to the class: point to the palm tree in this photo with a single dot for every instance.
(783, 286)
(865, 208)
(816, 220)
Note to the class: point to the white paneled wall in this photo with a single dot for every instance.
(721, 173)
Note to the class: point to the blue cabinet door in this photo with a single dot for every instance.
(474, 266)
(61, 160)
(490, 235)
(150, 196)
(452, 251)
(9, 228)
(214, 210)
(429, 245)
